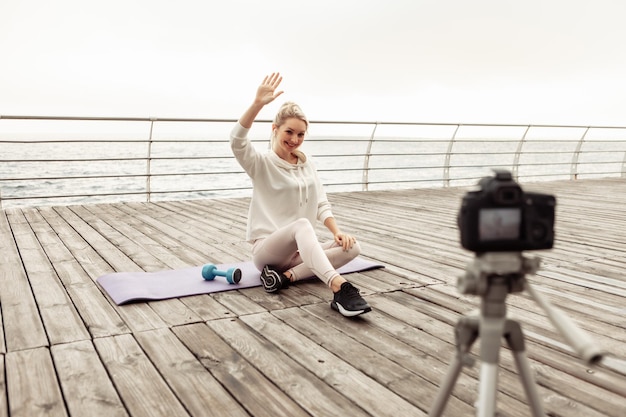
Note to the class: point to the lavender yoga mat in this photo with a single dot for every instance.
(125, 287)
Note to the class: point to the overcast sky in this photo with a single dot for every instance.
(484, 61)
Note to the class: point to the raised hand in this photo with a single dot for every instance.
(266, 93)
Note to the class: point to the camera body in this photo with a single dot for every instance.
(500, 217)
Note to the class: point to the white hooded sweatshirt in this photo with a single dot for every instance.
(282, 192)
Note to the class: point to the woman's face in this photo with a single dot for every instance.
(288, 137)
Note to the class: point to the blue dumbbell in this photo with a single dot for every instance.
(210, 271)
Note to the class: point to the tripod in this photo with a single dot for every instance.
(492, 276)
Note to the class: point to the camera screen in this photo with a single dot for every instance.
(499, 224)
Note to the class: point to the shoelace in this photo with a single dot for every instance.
(352, 292)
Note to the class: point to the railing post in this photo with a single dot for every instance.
(518, 153)
(576, 156)
(148, 163)
(366, 160)
(446, 165)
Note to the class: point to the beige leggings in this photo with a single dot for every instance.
(295, 247)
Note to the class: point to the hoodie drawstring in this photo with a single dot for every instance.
(306, 185)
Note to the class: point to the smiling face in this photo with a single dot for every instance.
(288, 137)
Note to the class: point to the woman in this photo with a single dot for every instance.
(287, 200)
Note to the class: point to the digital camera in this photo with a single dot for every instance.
(500, 217)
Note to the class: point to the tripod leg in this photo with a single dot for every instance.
(515, 339)
(491, 330)
(466, 332)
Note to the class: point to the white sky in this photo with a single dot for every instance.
(483, 61)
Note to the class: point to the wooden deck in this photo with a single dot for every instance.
(66, 349)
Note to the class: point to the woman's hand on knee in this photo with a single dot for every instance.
(345, 240)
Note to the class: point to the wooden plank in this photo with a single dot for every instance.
(311, 393)
(142, 260)
(381, 280)
(32, 386)
(207, 307)
(82, 241)
(86, 387)
(203, 231)
(22, 325)
(98, 315)
(201, 394)
(128, 230)
(237, 302)
(4, 406)
(535, 321)
(399, 376)
(363, 390)
(190, 229)
(245, 383)
(226, 216)
(83, 233)
(3, 348)
(174, 312)
(146, 222)
(60, 318)
(282, 299)
(139, 384)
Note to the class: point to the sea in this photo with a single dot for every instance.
(48, 162)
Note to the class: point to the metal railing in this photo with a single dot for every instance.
(65, 160)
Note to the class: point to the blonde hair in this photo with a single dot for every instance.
(289, 110)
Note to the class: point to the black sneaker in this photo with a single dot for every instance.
(272, 279)
(348, 301)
